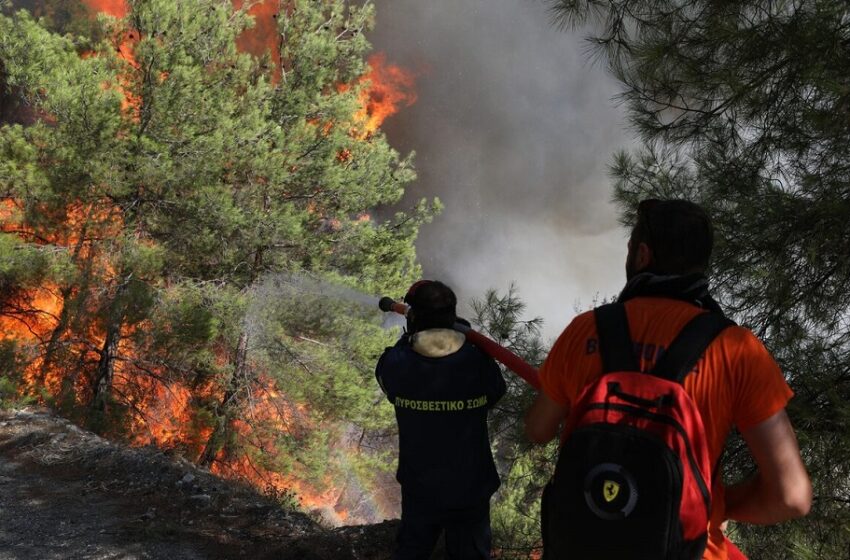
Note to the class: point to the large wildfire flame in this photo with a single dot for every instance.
(164, 408)
(389, 88)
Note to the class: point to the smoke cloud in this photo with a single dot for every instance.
(513, 128)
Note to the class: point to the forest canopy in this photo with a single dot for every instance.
(183, 225)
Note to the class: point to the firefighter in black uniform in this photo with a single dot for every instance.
(441, 387)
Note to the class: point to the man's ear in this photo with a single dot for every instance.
(643, 257)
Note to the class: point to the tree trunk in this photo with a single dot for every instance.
(229, 405)
(109, 351)
(64, 315)
(106, 368)
(53, 344)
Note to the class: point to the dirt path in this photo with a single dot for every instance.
(68, 494)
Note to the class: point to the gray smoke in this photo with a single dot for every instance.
(513, 129)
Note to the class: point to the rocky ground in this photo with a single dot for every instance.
(68, 494)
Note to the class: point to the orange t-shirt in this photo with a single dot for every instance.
(736, 382)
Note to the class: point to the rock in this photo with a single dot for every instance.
(201, 498)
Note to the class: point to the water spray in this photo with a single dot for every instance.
(487, 345)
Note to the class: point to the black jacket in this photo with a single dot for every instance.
(442, 387)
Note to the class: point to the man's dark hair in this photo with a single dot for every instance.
(678, 232)
(432, 305)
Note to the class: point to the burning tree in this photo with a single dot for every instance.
(153, 178)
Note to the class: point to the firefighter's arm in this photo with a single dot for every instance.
(381, 370)
(496, 387)
(781, 489)
(543, 418)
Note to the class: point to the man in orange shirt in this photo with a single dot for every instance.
(736, 383)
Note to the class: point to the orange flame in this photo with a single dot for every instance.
(264, 36)
(166, 418)
(115, 8)
(39, 308)
(125, 44)
(389, 88)
(243, 468)
(277, 415)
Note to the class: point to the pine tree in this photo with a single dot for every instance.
(524, 468)
(744, 107)
(156, 181)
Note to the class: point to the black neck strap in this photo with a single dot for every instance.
(617, 348)
(615, 342)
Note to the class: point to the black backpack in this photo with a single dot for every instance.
(633, 477)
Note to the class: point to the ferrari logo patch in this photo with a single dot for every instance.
(610, 490)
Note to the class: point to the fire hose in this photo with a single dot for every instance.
(512, 362)
(490, 347)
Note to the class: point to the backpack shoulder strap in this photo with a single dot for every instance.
(615, 342)
(687, 348)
